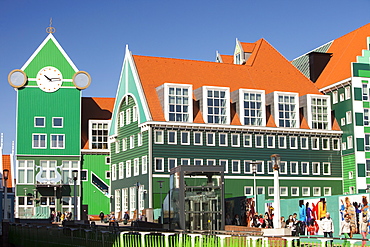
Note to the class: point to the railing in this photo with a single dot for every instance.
(84, 235)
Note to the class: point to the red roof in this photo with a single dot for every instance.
(227, 59)
(266, 69)
(345, 50)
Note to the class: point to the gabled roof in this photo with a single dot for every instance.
(7, 165)
(266, 69)
(345, 50)
(227, 59)
(94, 108)
(248, 47)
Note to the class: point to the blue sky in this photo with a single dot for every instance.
(94, 34)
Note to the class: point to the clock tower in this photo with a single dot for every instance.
(48, 142)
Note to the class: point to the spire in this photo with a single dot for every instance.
(50, 29)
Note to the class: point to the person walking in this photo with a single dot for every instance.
(126, 218)
(101, 216)
(345, 229)
(364, 230)
(328, 228)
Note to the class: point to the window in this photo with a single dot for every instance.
(335, 97)
(350, 175)
(57, 122)
(366, 116)
(140, 139)
(144, 164)
(107, 160)
(283, 167)
(304, 142)
(185, 138)
(198, 138)
(349, 117)
(367, 168)
(270, 141)
(124, 144)
(247, 166)
(316, 168)
(107, 174)
(315, 143)
(120, 170)
(121, 119)
(235, 140)
(247, 140)
(134, 114)
(222, 139)
(260, 190)
(305, 168)
(327, 191)
(38, 140)
(132, 142)
(349, 142)
(125, 200)
(98, 134)
(287, 111)
(57, 141)
(320, 110)
(185, 162)
(316, 191)
(39, 121)
(270, 169)
(347, 92)
(117, 146)
(159, 166)
(128, 116)
(271, 191)
(336, 144)
(128, 168)
(158, 137)
(179, 103)
(260, 165)
(342, 121)
(365, 92)
(172, 138)
(217, 106)
(282, 141)
(114, 172)
(367, 142)
(306, 191)
(294, 167)
(211, 162)
(68, 167)
(293, 142)
(117, 197)
(25, 172)
(235, 166)
(136, 167)
(259, 141)
(284, 191)
(341, 97)
(248, 190)
(294, 191)
(326, 168)
(352, 190)
(172, 162)
(210, 139)
(344, 145)
(133, 198)
(253, 110)
(325, 144)
(141, 197)
(198, 162)
(225, 164)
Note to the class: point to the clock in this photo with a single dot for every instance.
(49, 79)
(17, 78)
(81, 79)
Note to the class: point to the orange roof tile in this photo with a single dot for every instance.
(269, 71)
(344, 49)
(7, 165)
(248, 47)
(227, 59)
(97, 109)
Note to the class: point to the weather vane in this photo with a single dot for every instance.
(50, 29)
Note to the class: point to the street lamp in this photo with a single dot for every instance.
(254, 170)
(160, 187)
(5, 177)
(275, 161)
(75, 174)
(138, 198)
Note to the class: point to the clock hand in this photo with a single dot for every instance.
(55, 79)
(47, 78)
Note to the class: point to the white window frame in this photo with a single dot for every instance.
(117, 200)
(226, 164)
(208, 134)
(205, 106)
(282, 189)
(94, 125)
(201, 161)
(349, 117)
(121, 119)
(144, 164)
(273, 141)
(335, 97)
(213, 161)
(342, 121)
(247, 167)
(341, 97)
(133, 191)
(124, 199)
(280, 140)
(169, 162)
(262, 188)
(307, 164)
(285, 165)
(136, 167)
(124, 144)
(319, 109)
(260, 166)
(262, 140)
(117, 142)
(270, 169)
(39, 146)
(167, 102)
(247, 138)
(169, 141)
(315, 143)
(155, 164)
(327, 191)
(128, 116)
(318, 168)
(139, 139)
(201, 138)
(158, 137)
(325, 142)
(35, 120)
(220, 138)
(349, 142)
(292, 190)
(293, 164)
(366, 116)
(114, 172)
(306, 191)
(270, 191)
(365, 92)
(336, 147)
(238, 166)
(260, 119)
(185, 160)
(316, 191)
(28, 169)
(132, 141)
(324, 164)
(295, 138)
(58, 142)
(134, 114)
(186, 140)
(120, 170)
(237, 143)
(304, 138)
(67, 168)
(347, 92)
(294, 121)
(55, 126)
(249, 188)
(344, 145)
(128, 168)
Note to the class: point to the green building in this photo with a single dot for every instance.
(235, 112)
(58, 159)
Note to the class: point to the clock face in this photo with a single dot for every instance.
(17, 78)
(49, 79)
(81, 79)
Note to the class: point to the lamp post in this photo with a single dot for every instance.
(5, 177)
(138, 198)
(160, 187)
(275, 161)
(254, 170)
(75, 174)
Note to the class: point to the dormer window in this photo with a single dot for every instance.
(317, 111)
(250, 106)
(177, 102)
(214, 104)
(284, 108)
